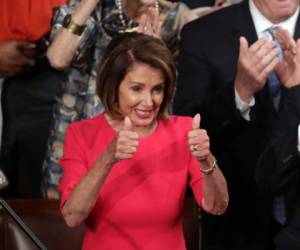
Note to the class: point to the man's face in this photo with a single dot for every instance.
(277, 11)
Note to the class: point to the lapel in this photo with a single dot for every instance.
(243, 24)
(297, 29)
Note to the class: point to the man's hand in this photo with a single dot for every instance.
(288, 71)
(254, 65)
(15, 56)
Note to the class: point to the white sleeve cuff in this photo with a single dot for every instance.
(244, 107)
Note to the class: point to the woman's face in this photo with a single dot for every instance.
(141, 94)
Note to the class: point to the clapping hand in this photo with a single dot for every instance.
(288, 70)
(149, 23)
(254, 66)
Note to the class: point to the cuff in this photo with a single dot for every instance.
(242, 106)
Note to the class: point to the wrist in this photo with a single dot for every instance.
(209, 165)
(245, 95)
(83, 11)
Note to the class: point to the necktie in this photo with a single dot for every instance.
(275, 92)
(273, 82)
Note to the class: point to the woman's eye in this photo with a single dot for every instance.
(136, 88)
(158, 89)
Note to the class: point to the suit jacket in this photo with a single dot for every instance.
(278, 170)
(207, 66)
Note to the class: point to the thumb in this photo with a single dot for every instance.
(243, 45)
(196, 121)
(127, 123)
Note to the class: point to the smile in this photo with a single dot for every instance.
(144, 113)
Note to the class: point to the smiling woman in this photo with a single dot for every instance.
(137, 79)
(125, 172)
(141, 95)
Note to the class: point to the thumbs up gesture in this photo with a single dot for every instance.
(198, 140)
(126, 142)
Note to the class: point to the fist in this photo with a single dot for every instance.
(198, 140)
(126, 142)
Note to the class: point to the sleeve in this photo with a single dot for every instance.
(88, 37)
(73, 163)
(242, 106)
(195, 179)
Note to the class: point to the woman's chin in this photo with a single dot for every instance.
(144, 123)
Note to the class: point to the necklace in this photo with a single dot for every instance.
(121, 15)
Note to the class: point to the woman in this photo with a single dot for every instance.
(125, 172)
(103, 19)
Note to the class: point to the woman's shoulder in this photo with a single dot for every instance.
(87, 125)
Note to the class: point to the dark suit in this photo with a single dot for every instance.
(207, 67)
(278, 171)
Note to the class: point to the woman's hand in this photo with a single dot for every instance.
(198, 140)
(149, 23)
(126, 142)
(215, 194)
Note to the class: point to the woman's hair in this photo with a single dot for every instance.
(119, 58)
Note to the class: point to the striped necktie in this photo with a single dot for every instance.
(273, 82)
(275, 92)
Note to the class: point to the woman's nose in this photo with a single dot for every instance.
(147, 99)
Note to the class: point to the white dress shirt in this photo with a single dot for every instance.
(261, 24)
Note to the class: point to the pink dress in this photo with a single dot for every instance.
(140, 204)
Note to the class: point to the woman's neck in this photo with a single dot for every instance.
(118, 125)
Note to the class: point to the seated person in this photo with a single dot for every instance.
(125, 172)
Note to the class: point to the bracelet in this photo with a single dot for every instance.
(209, 170)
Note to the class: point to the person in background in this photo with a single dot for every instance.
(125, 172)
(278, 170)
(12, 60)
(81, 31)
(29, 86)
(226, 72)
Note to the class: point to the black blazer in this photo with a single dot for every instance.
(207, 65)
(278, 170)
